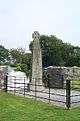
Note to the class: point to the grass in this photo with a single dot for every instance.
(16, 108)
(76, 84)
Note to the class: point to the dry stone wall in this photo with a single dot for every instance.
(58, 75)
(3, 72)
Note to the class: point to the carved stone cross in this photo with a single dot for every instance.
(36, 35)
(37, 61)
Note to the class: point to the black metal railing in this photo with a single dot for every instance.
(66, 96)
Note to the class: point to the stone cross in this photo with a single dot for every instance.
(37, 60)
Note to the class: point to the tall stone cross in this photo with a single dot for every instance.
(37, 60)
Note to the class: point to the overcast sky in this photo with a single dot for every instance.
(19, 18)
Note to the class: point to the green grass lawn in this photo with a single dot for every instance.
(16, 108)
(76, 84)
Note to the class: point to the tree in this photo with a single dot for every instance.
(4, 54)
(74, 58)
(17, 55)
(22, 60)
(51, 50)
(57, 53)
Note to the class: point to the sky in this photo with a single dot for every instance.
(20, 18)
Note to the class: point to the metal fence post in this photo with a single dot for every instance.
(68, 93)
(35, 89)
(6, 80)
(49, 90)
(14, 85)
(24, 86)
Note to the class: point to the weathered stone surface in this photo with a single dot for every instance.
(3, 71)
(58, 75)
(37, 61)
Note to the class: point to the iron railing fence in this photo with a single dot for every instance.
(38, 91)
(67, 96)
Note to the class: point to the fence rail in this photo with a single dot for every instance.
(67, 96)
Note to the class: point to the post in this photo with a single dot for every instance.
(14, 84)
(68, 93)
(49, 90)
(35, 89)
(28, 84)
(6, 79)
(24, 86)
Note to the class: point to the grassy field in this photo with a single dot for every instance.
(15, 108)
(75, 84)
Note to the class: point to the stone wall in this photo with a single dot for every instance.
(3, 72)
(58, 75)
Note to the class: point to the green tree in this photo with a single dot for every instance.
(51, 50)
(4, 54)
(22, 60)
(17, 55)
(57, 53)
(74, 58)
